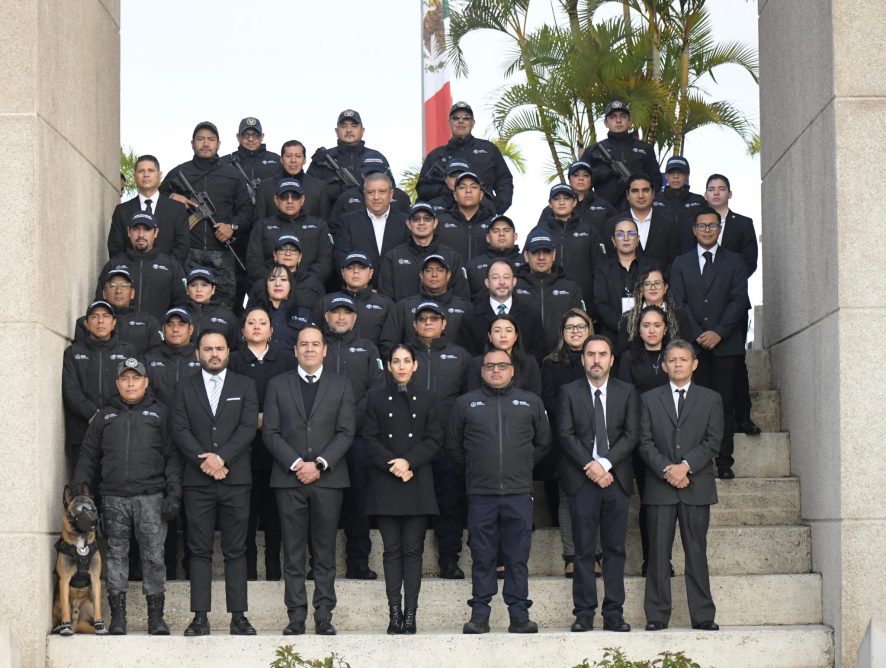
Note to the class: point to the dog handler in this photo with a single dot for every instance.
(129, 444)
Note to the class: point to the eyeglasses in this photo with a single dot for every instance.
(429, 318)
(250, 134)
(575, 328)
(621, 234)
(118, 284)
(422, 219)
(653, 284)
(289, 197)
(288, 250)
(501, 366)
(707, 227)
(461, 118)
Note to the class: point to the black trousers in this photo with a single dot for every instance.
(301, 508)
(449, 487)
(640, 478)
(599, 512)
(227, 505)
(500, 522)
(356, 522)
(718, 374)
(263, 506)
(404, 542)
(694, 521)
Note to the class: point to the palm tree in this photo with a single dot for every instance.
(656, 54)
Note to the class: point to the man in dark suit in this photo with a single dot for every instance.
(710, 285)
(309, 424)
(681, 425)
(171, 217)
(599, 420)
(737, 234)
(501, 283)
(374, 229)
(214, 419)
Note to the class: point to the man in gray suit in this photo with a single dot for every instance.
(598, 421)
(309, 423)
(681, 426)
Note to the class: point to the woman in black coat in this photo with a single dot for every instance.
(402, 436)
(261, 362)
(503, 333)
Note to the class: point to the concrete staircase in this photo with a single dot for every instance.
(768, 602)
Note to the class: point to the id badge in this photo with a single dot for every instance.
(627, 303)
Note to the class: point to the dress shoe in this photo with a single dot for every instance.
(616, 623)
(361, 573)
(324, 627)
(240, 626)
(451, 571)
(656, 626)
(725, 473)
(582, 623)
(706, 626)
(522, 626)
(748, 427)
(395, 620)
(569, 569)
(295, 628)
(199, 626)
(478, 624)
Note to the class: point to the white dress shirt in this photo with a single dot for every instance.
(378, 225)
(701, 251)
(153, 197)
(207, 379)
(676, 397)
(604, 462)
(508, 303)
(643, 227)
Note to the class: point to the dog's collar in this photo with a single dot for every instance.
(83, 556)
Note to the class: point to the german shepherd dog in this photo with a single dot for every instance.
(77, 603)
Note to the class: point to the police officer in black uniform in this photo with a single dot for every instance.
(501, 244)
(463, 226)
(484, 158)
(499, 432)
(442, 369)
(292, 162)
(253, 157)
(205, 311)
(678, 202)
(207, 172)
(373, 309)
(137, 328)
(590, 207)
(623, 146)
(348, 153)
(454, 168)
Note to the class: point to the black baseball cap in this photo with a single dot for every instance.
(539, 239)
(290, 186)
(677, 163)
(460, 106)
(339, 300)
(349, 115)
(355, 257)
(418, 207)
(617, 105)
(203, 273)
(562, 189)
(575, 166)
(287, 240)
(101, 303)
(250, 123)
(180, 312)
(142, 218)
(429, 306)
(205, 125)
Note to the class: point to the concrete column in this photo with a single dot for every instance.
(823, 117)
(60, 129)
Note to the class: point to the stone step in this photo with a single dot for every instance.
(759, 369)
(765, 456)
(808, 646)
(732, 550)
(749, 600)
(766, 409)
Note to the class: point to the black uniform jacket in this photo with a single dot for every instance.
(131, 445)
(500, 435)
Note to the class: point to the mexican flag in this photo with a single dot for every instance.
(435, 73)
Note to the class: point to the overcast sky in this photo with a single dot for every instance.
(296, 64)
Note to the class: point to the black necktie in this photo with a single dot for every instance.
(311, 379)
(601, 438)
(148, 207)
(680, 402)
(706, 271)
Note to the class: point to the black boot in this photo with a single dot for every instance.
(117, 602)
(409, 621)
(395, 626)
(156, 623)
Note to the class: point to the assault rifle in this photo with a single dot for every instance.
(251, 183)
(624, 174)
(343, 174)
(204, 209)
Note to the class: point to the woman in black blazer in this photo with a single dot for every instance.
(256, 359)
(503, 333)
(402, 436)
